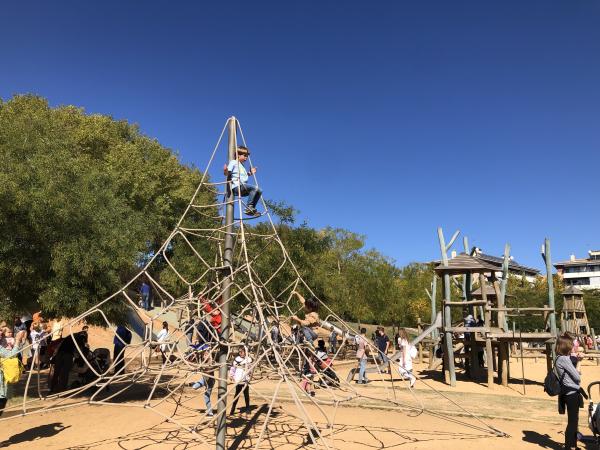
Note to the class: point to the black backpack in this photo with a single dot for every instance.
(552, 383)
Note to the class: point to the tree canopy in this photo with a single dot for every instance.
(81, 198)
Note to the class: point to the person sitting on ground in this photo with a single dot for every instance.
(311, 319)
(236, 172)
(405, 365)
(20, 341)
(570, 393)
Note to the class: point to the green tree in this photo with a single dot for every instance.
(81, 197)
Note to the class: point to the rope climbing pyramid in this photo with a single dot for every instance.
(235, 315)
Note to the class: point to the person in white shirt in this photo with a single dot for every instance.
(162, 337)
(240, 375)
(38, 339)
(405, 365)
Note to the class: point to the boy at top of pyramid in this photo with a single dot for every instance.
(238, 177)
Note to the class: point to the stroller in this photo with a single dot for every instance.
(594, 414)
(99, 359)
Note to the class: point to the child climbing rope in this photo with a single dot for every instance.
(239, 180)
(311, 319)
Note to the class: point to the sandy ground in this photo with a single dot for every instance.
(530, 420)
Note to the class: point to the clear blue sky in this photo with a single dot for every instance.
(386, 118)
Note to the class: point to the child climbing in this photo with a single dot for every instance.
(237, 174)
(407, 353)
(311, 319)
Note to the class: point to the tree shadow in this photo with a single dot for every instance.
(542, 440)
(34, 434)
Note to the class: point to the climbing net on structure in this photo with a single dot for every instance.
(283, 372)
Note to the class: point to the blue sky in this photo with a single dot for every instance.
(386, 118)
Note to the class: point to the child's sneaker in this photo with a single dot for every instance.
(250, 211)
(413, 380)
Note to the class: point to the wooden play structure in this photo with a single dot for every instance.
(573, 317)
(485, 311)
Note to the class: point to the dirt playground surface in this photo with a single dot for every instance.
(530, 420)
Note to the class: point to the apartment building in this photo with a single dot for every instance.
(581, 272)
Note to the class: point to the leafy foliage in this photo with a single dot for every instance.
(81, 196)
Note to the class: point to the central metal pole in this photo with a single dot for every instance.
(226, 295)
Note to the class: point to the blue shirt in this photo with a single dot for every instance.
(238, 172)
(124, 334)
(145, 289)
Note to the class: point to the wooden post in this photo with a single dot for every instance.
(433, 305)
(503, 363)
(419, 331)
(449, 350)
(548, 260)
(502, 322)
(488, 338)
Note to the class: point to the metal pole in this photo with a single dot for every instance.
(221, 425)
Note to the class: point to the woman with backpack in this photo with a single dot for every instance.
(570, 389)
(10, 366)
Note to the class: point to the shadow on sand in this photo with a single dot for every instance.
(34, 434)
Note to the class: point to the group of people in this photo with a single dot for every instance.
(403, 362)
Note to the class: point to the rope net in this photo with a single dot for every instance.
(300, 389)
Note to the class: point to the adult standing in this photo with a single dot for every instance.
(145, 292)
(333, 341)
(361, 356)
(39, 337)
(63, 361)
(20, 340)
(121, 340)
(189, 327)
(383, 344)
(570, 393)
